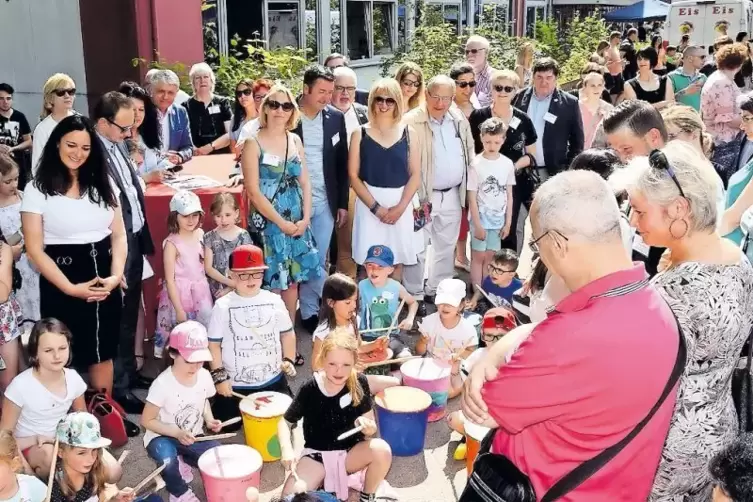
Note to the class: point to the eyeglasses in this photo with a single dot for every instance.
(250, 275)
(276, 105)
(657, 160)
(473, 51)
(348, 89)
(409, 83)
(463, 85)
(441, 99)
(384, 100)
(500, 271)
(499, 324)
(259, 97)
(123, 129)
(747, 119)
(243, 92)
(62, 92)
(504, 88)
(534, 244)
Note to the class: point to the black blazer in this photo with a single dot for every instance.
(362, 113)
(334, 158)
(563, 139)
(362, 97)
(147, 245)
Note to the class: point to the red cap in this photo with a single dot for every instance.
(247, 257)
(499, 318)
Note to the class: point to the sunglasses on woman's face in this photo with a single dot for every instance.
(62, 92)
(383, 100)
(504, 88)
(409, 83)
(276, 105)
(243, 92)
(463, 85)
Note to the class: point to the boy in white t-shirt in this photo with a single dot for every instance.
(250, 335)
(490, 181)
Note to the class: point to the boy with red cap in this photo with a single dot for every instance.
(250, 336)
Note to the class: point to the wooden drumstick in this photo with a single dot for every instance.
(51, 478)
(391, 326)
(230, 422)
(481, 290)
(216, 436)
(123, 456)
(219, 461)
(150, 477)
(346, 435)
(239, 395)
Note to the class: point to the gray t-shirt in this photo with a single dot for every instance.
(313, 146)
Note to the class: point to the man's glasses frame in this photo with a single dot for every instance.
(123, 129)
(533, 245)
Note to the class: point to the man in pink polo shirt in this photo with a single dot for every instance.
(583, 378)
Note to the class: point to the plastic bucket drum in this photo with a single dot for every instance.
(261, 413)
(402, 415)
(378, 370)
(474, 434)
(228, 471)
(432, 376)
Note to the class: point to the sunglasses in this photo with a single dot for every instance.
(504, 88)
(250, 275)
(122, 129)
(463, 85)
(276, 105)
(414, 83)
(473, 51)
(534, 244)
(244, 92)
(657, 160)
(382, 100)
(62, 92)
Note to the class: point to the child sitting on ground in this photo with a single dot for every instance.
(501, 282)
(177, 408)
(250, 335)
(380, 298)
(445, 334)
(731, 470)
(16, 487)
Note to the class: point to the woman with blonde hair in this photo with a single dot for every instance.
(278, 188)
(59, 93)
(524, 63)
(411, 79)
(385, 174)
(593, 108)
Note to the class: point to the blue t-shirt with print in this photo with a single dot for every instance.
(496, 292)
(378, 306)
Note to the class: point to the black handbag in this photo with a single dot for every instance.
(742, 391)
(496, 479)
(257, 223)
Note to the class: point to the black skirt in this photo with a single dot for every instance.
(94, 325)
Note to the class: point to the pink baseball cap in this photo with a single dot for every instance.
(191, 341)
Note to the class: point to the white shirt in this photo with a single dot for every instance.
(323, 330)
(164, 123)
(41, 410)
(41, 134)
(351, 122)
(491, 179)
(248, 131)
(248, 329)
(30, 489)
(443, 342)
(66, 220)
(180, 405)
(449, 164)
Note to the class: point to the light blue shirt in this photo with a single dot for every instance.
(449, 163)
(537, 110)
(313, 147)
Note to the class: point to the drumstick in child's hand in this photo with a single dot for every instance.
(150, 477)
(216, 436)
(346, 435)
(51, 478)
(239, 395)
(230, 422)
(123, 456)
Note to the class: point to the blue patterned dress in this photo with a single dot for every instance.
(290, 259)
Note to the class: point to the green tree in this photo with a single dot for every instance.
(581, 38)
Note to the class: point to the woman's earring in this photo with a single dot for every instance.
(684, 232)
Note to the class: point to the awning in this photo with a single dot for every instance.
(645, 9)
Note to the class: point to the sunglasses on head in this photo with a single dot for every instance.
(383, 100)
(657, 160)
(243, 92)
(473, 51)
(62, 92)
(463, 85)
(414, 83)
(276, 105)
(504, 88)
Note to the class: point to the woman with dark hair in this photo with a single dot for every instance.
(244, 111)
(74, 234)
(662, 67)
(647, 85)
(145, 127)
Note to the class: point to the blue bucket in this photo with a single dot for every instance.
(402, 414)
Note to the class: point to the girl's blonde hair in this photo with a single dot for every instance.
(54, 83)
(340, 338)
(411, 68)
(688, 121)
(9, 448)
(221, 200)
(390, 88)
(97, 475)
(295, 116)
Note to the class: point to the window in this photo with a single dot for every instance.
(371, 28)
(334, 26)
(311, 28)
(437, 12)
(283, 24)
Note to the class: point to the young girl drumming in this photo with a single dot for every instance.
(185, 293)
(16, 487)
(38, 398)
(338, 311)
(177, 408)
(335, 400)
(220, 242)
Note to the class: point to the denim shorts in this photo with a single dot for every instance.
(493, 241)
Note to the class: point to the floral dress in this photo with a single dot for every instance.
(714, 305)
(719, 107)
(290, 259)
(221, 249)
(28, 294)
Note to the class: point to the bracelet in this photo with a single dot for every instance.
(374, 207)
(219, 375)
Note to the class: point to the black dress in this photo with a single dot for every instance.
(652, 97)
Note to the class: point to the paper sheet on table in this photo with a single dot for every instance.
(191, 182)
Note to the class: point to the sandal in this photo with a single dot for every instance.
(299, 360)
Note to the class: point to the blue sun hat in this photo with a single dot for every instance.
(81, 430)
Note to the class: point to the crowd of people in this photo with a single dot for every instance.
(611, 223)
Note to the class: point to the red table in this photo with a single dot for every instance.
(157, 199)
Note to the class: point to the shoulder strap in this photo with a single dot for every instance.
(574, 478)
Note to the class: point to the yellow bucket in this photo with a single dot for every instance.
(261, 413)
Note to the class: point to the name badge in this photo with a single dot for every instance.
(214, 109)
(270, 160)
(346, 400)
(335, 139)
(514, 123)
(550, 118)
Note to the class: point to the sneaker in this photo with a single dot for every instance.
(460, 452)
(189, 496)
(185, 470)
